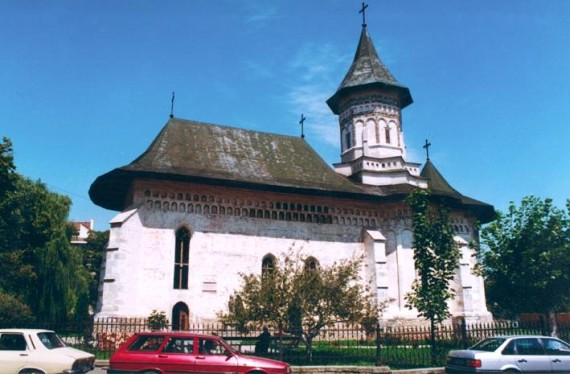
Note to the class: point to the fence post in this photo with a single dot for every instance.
(463, 326)
(378, 360)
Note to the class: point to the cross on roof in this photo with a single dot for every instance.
(426, 146)
(363, 11)
(302, 122)
(172, 106)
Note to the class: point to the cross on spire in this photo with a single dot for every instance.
(302, 122)
(363, 11)
(172, 106)
(426, 146)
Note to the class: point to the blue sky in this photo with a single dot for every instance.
(85, 86)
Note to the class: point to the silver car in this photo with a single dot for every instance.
(512, 354)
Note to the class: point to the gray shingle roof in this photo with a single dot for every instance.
(368, 70)
(440, 187)
(221, 155)
(190, 150)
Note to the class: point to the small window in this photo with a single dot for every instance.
(147, 343)
(529, 347)
(180, 345)
(12, 342)
(211, 347)
(556, 347)
(50, 340)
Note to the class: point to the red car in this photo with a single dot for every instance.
(184, 352)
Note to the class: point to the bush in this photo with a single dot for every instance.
(157, 320)
(13, 312)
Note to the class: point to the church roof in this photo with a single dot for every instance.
(201, 152)
(367, 70)
(441, 188)
(191, 151)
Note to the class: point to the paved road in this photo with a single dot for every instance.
(98, 370)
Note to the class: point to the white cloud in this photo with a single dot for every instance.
(320, 70)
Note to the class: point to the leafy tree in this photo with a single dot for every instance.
(36, 261)
(302, 300)
(436, 259)
(92, 258)
(526, 257)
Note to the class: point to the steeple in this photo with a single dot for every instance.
(368, 72)
(369, 103)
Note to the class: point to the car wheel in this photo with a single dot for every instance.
(150, 372)
(510, 371)
(32, 371)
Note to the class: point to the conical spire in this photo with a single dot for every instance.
(368, 70)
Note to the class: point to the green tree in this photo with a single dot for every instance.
(301, 299)
(92, 258)
(436, 259)
(525, 259)
(37, 263)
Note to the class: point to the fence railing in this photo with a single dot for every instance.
(397, 347)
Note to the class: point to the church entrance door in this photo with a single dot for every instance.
(180, 317)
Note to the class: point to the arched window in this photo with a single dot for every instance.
(311, 264)
(387, 132)
(181, 259)
(267, 265)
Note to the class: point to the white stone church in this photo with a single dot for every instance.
(205, 202)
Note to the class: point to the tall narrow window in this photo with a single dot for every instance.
(267, 265)
(387, 131)
(181, 259)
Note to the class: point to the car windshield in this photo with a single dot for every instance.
(488, 345)
(50, 340)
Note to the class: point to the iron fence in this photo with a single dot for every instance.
(397, 347)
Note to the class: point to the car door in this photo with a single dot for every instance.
(213, 357)
(559, 354)
(13, 353)
(528, 355)
(177, 356)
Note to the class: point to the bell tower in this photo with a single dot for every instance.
(369, 104)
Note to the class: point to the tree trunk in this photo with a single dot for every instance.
(432, 343)
(552, 323)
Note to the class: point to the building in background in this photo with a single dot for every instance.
(83, 229)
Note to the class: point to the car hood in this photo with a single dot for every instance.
(73, 353)
(253, 361)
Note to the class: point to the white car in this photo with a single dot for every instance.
(34, 351)
(513, 355)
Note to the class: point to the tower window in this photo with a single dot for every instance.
(387, 132)
(348, 140)
(181, 259)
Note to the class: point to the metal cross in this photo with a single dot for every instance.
(426, 146)
(172, 106)
(302, 122)
(363, 11)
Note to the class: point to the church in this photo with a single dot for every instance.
(206, 202)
